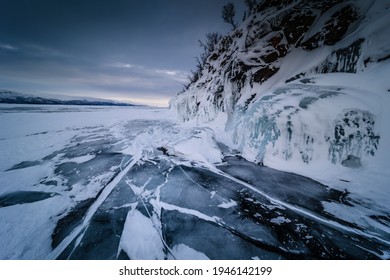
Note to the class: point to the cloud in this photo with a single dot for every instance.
(176, 75)
(66, 75)
(164, 72)
(131, 49)
(43, 51)
(28, 52)
(8, 47)
(122, 65)
(170, 75)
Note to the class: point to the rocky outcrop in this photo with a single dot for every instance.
(266, 76)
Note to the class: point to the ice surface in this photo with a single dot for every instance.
(22, 197)
(127, 185)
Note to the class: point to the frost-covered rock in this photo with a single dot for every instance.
(351, 161)
(294, 81)
(353, 137)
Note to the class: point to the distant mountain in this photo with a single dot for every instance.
(12, 97)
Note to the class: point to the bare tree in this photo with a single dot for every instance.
(250, 4)
(229, 13)
(209, 45)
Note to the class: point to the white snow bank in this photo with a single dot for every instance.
(26, 229)
(201, 146)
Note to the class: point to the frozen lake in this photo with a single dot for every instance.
(129, 183)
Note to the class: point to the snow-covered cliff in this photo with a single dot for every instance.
(300, 82)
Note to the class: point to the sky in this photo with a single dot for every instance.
(130, 50)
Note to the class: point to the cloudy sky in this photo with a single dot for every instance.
(138, 50)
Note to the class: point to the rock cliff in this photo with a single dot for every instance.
(298, 80)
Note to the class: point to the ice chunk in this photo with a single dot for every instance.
(229, 204)
(201, 146)
(140, 239)
(183, 252)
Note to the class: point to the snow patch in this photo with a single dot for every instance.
(26, 228)
(81, 159)
(140, 239)
(201, 146)
(183, 252)
(229, 204)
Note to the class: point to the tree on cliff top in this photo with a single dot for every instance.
(229, 13)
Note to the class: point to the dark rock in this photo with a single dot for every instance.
(384, 58)
(271, 57)
(264, 74)
(344, 60)
(295, 24)
(296, 77)
(333, 30)
(352, 161)
(214, 56)
(163, 150)
(272, 3)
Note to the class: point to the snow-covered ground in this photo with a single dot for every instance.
(118, 182)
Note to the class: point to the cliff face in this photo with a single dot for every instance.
(302, 80)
